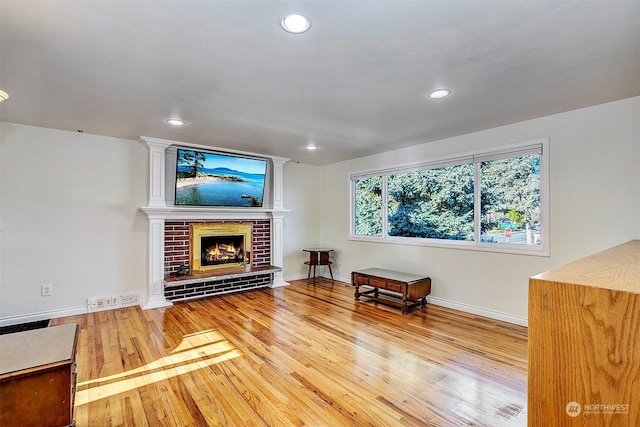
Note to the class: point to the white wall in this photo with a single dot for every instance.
(595, 181)
(302, 226)
(70, 215)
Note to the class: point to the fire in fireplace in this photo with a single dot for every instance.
(221, 250)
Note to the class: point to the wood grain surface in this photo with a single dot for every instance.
(584, 342)
(298, 355)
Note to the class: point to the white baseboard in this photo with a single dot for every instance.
(42, 315)
(480, 311)
(279, 283)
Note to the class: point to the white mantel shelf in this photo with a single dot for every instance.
(209, 213)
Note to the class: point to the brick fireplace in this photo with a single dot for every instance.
(176, 243)
(169, 227)
(224, 278)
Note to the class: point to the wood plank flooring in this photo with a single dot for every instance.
(302, 355)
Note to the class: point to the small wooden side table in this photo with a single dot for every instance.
(318, 256)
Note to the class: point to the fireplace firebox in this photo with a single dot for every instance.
(221, 250)
(220, 245)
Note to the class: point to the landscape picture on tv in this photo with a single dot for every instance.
(212, 179)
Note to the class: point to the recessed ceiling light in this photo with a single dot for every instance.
(175, 122)
(3, 96)
(295, 23)
(439, 93)
(311, 147)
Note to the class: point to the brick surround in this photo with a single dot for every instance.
(176, 243)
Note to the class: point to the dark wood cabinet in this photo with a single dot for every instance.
(38, 377)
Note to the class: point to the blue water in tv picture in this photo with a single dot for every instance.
(234, 181)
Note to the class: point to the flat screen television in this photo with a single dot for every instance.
(214, 179)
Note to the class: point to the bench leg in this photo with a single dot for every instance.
(405, 306)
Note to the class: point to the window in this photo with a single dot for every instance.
(489, 201)
(432, 203)
(368, 209)
(510, 190)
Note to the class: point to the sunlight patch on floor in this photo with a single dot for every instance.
(195, 351)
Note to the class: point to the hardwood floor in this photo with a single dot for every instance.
(299, 355)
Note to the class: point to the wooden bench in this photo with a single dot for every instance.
(411, 289)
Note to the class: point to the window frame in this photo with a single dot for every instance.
(476, 158)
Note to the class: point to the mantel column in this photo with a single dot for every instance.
(278, 180)
(277, 221)
(157, 182)
(277, 248)
(155, 292)
(157, 185)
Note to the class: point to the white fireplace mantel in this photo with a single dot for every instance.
(158, 211)
(189, 213)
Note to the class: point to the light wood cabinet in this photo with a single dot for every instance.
(38, 377)
(584, 341)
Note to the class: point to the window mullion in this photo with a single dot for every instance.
(385, 207)
(477, 203)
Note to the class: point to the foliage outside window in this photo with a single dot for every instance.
(432, 203)
(437, 203)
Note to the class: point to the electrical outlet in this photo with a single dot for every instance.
(46, 290)
(100, 302)
(129, 299)
(92, 303)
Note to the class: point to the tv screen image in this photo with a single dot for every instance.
(212, 179)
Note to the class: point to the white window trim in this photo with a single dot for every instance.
(507, 151)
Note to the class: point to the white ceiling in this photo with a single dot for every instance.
(354, 84)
